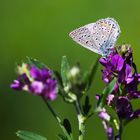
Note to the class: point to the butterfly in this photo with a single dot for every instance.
(99, 37)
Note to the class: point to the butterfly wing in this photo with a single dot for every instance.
(99, 37)
(110, 33)
(84, 37)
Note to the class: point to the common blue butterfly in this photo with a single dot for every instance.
(99, 37)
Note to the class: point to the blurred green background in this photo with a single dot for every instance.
(39, 29)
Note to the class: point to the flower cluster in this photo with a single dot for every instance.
(107, 126)
(119, 64)
(36, 81)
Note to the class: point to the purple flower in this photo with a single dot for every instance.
(132, 87)
(106, 123)
(109, 130)
(37, 87)
(138, 76)
(113, 65)
(107, 75)
(50, 90)
(37, 81)
(104, 115)
(128, 74)
(134, 95)
(110, 99)
(135, 115)
(17, 85)
(40, 74)
(20, 82)
(117, 63)
(124, 108)
(123, 68)
(97, 96)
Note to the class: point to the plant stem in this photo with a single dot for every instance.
(120, 130)
(68, 136)
(52, 111)
(81, 120)
(119, 136)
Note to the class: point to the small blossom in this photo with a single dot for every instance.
(117, 63)
(135, 115)
(17, 85)
(109, 130)
(124, 108)
(20, 82)
(107, 75)
(104, 115)
(110, 99)
(50, 90)
(37, 81)
(129, 75)
(106, 123)
(97, 96)
(134, 95)
(37, 87)
(40, 74)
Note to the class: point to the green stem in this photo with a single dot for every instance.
(81, 120)
(52, 111)
(119, 136)
(69, 137)
(121, 130)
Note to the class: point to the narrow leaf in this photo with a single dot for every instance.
(62, 137)
(36, 63)
(60, 84)
(86, 106)
(26, 135)
(91, 73)
(64, 70)
(58, 77)
(69, 137)
(67, 126)
(108, 89)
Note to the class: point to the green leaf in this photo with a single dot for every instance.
(26, 135)
(86, 106)
(108, 89)
(64, 71)
(36, 63)
(67, 126)
(69, 137)
(89, 75)
(59, 79)
(62, 137)
(66, 134)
